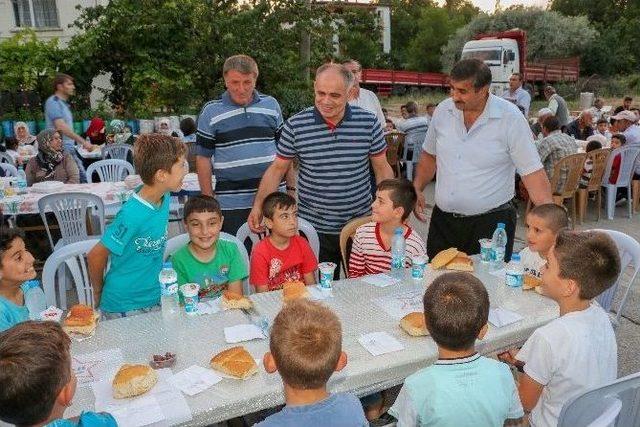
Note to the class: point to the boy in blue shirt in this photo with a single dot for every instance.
(306, 348)
(461, 388)
(136, 239)
(37, 383)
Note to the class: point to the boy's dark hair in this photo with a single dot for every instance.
(593, 145)
(11, 143)
(591, 258)
(306, 342)
(412, 107)
(402, 194)
(456, 307)
(201, 203)
(276, 200)
(7, 236)
(35, 365)
(620, 137)
(59, 79)
(472, 69)
(628, 98)
(602, 121)
(553, 215)
(551, 123)
(188, 126)
(153, 152)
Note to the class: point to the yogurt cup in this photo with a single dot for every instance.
(326, 274)
(418, 266)
(191, 299)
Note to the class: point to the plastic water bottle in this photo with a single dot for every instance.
(22, 180)
(397, 253)
(515, 272)
(168, 279)
(499, 245)
(34, 299)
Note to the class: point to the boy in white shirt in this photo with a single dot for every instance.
(578, 350)
(543, 224)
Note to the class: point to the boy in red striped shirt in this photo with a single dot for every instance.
(371, 250)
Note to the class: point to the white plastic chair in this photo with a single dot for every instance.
(628, 154)
(117, 151)
(111, 170)
(175, 243)
(613, 404)
(74, 257)
(6, 158)
(9, 170)
(304, 227)
(629, 250)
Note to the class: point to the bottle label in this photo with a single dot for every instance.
(397, 263)
(514, 280)
(169, 289)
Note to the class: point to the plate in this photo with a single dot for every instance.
(47, 187)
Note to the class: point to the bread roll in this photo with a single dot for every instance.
(461, 262)
(232, 300)
(81, 319)
(294, 290)
(531, 282)
(133, 380)
(414, 324)
(443, 258)
(235, 361)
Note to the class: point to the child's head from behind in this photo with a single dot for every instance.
(618, 140)
(305, 345)
(395, 200)
(593, 145)
(203, 220)
(35, 372)
(456, 310)
(11, 143)
(543, 223)
(16, 262)
(160, 161)
(581, 264)
(187, 126)
(280, 214)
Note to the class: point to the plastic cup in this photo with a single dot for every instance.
(191, 299)
(418, 266)
(486, 252)
(326, 274)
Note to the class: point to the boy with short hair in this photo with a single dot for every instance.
(283, 256)
(543, 224)
(617, 141)
(462, 388)
(578, 350)
(213, 263)
(371, 249)
(135, 240)
(306, 348)
(602, 128)
(36, 380)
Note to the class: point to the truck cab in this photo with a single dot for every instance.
(501, 56)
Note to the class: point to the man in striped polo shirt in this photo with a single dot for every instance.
(334, 143)
(236, 141)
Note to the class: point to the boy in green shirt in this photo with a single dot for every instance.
(213, 263)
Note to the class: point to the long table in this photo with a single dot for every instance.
(201, 337)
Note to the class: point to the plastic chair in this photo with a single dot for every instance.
(304, 227)
(599, 162)
(629, 249)
(346, 239)
(111, 170)
(395, 141)
(628, 155)
(9, 170)
(6, 158)
(71, 211)
(74, 257)
(117, 151)
(175, 243)
(616, 403)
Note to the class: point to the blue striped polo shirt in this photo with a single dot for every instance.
(241, 143)
(334, 183)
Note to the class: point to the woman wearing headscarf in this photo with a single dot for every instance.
(96, 131)
(52, 163)
(119, 132)
(23, 135)
(165, 128)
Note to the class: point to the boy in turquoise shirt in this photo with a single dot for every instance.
(213, 263)
(136, 239)
(461, 388)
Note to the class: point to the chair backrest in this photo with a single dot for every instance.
(175, 243)
(110, 170)
(346, 239)
(629, 249)
(9, 170)
(616, 403)
(6, 158)
(72, 213)
(599, 161)
(568, 168)
(117, 151)
(304, 227)
(395, 141)
(628, 155)
(74, 256)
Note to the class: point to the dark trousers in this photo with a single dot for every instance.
(233, 220)
(447, 230)
(330, 251)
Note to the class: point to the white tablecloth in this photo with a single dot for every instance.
(199, 338)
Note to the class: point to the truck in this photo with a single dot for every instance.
(504, 52)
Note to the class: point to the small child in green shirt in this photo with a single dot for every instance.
(213, 263)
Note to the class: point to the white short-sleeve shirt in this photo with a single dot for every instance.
(476, 168)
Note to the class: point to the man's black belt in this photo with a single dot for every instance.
(502, 207)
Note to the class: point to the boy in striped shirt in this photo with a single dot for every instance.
(371, 250)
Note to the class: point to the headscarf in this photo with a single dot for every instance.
(48, 157)
(96, 131)
(28, 139)
(165, 121)
(117, 128)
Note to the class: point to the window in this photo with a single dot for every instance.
(488, 55)
(35, 13)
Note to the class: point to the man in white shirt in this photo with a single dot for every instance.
(517, 94)
(360, 96)
(476, 143)
(415, 127)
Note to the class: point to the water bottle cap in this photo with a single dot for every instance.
(167, 264)
(501, 225)
(515, 257)
(398, 230)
